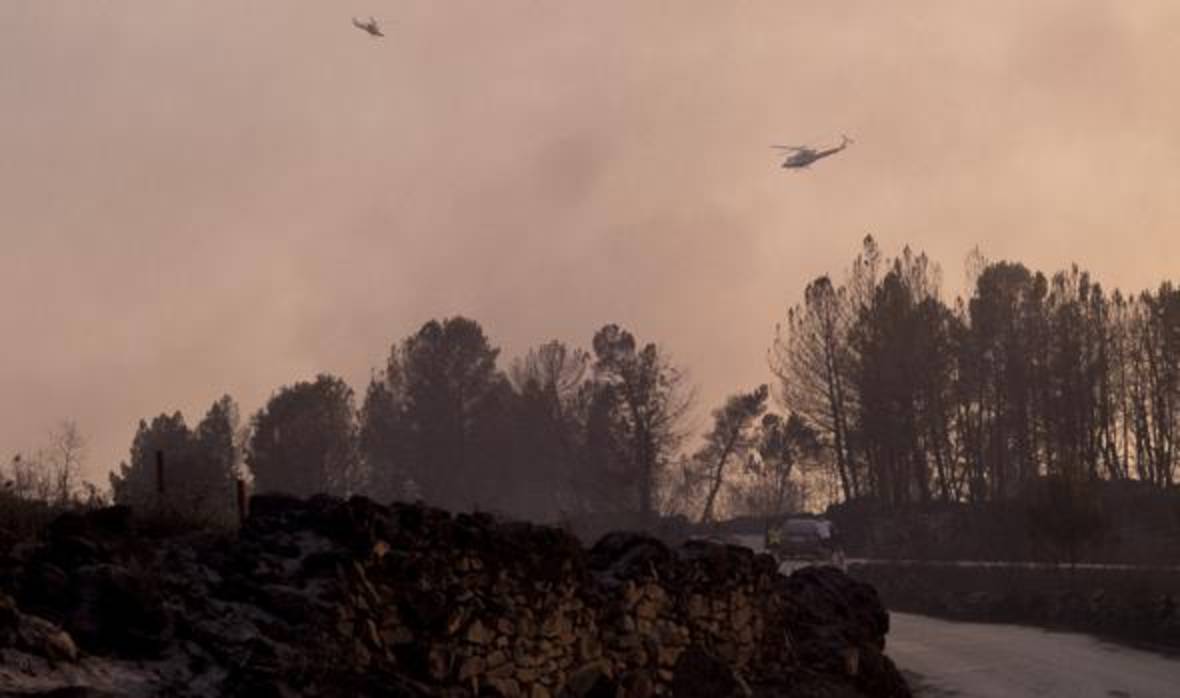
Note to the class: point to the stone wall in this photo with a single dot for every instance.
(324, 597)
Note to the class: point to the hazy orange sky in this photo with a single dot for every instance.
(205, 197)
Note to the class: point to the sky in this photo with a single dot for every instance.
(208, 197)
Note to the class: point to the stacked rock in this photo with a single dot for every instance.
(327, 597)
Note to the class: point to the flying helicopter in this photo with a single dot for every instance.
(371, 26)
(802, 156)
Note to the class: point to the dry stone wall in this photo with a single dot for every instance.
(327, 597)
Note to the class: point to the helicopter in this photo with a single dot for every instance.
(371, 26)
(802, 156)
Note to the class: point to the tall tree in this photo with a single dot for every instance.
(1003, 359)
(218, 460)
(1155, 383)
(815, 362)
(1029, 377)
(303, 440)
(136, 482)
(883, 337)
(384, 436)
(903, 340)
(200, 465)
(549, 428)
(812, 359)
(647, 400)
(453, 396)
(605, 476)
(783, 447)
(731, 439)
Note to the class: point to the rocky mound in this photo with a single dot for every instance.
(330, 598)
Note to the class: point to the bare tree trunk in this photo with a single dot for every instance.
(718, 478)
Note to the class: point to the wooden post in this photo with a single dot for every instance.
(243, 503)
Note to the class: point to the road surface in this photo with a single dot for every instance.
(975, 660)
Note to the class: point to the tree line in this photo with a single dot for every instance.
(883, 390)
(1032, 376)
(561, 432)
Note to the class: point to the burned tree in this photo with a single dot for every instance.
(303, 440)
(730, 440)
(645, 399)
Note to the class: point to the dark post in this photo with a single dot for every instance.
(243, 503)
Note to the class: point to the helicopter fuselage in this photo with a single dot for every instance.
(803, 158)
(370, 27)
